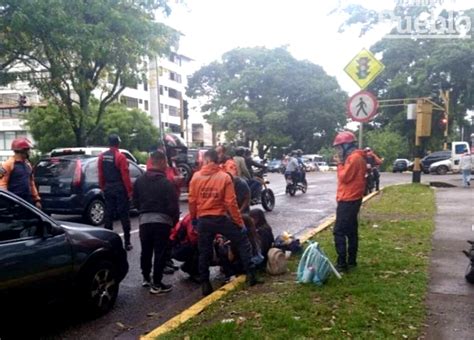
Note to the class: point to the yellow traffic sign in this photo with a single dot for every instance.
(364, 68)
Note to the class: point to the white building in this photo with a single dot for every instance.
(171, 85)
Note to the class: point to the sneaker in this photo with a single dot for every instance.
(128, 247)
(160, 288)
(146, 283)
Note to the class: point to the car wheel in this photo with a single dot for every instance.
(95, 212)
(442, 170)
(268, 199)
(186, 171)
(99, 288)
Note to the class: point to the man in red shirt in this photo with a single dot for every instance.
(114, 180)
(351, 170)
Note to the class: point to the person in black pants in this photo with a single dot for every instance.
(114, 180)
(157, 202)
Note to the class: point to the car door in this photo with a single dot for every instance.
(35, 255)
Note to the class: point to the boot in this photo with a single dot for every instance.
(206, 288)
(252, 278)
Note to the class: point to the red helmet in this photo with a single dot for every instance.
(344, 137)
(21, 143)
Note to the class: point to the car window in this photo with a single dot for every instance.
(460, 149)
(128, 156)
(17, 221)
(55, 167)
(92, 171)
(134, 170)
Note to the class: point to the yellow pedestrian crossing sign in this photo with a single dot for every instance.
(364, 68)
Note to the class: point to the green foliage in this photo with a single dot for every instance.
(50, 129)
(269, 97)
(71, 48)
(388, 145)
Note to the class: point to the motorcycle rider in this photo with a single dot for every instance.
(351, 170)
(114, 180)
(16, 173)
(302, 166)
(254, 184)
(374, 161)
(242, 170)
(291, 171)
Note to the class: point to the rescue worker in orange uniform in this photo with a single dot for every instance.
(16, 173)
(213, 203)
(351, 170)
(226, 163)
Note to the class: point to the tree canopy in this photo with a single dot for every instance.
(67, 49)
(266, 96)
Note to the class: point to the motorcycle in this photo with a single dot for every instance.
(296, 181)
(369, 180)
(265, 196)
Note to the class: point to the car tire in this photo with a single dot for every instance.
(99, 288)
(268, 199)
(186, 171)
(95, 212)
(442, 170)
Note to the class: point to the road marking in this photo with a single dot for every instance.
(202, 304)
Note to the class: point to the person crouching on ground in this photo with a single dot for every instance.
(211, 197)
(184, 240)
(157, 202)
(351, 169)
(267, 239)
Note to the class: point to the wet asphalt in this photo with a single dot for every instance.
(137, 311)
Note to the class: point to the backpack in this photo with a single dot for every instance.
(276, 263)
(314, 266)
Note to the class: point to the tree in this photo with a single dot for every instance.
(388, 145)
(267, 97)
(134, 127)
(67, 49)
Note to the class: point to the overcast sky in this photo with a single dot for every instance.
(213, 27)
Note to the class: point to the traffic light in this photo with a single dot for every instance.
(363, 67)
(444, 119)
(22, 102)
(185, 109)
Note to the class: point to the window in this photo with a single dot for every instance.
(129, 101)
(175, 76)
(7, 137)
(162, 108)
(11, 112)
(146, 105)
(175, 128)
(175, 59)
(161, 89)
(134, 170)
(140, 101)
(173, 111)
(145, 84)
(174, 93)
(92, 172)
(198, 133)
(17, 221)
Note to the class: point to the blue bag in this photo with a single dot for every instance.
(314, 266)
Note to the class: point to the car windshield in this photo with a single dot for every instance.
(55, 167)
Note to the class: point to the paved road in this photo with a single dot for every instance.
(137, 312)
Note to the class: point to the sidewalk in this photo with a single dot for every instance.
(450, 299)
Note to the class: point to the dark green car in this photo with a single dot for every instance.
(43, 260)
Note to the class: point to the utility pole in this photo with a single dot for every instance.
(445, 96)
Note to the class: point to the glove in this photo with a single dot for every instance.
(243, 229)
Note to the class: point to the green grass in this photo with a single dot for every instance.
(383, 298)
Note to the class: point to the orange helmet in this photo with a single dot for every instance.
(21, 143)
(344, 137)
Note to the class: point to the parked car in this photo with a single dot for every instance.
(441, 167)
(69, 185)
(322, 166)
(432, 158)
(44, 260)
(401, 165)
(310, 166)
(275, 166)
(89, 151)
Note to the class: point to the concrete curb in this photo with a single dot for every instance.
(205, 302)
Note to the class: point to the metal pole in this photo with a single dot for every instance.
(181, 115)
(361, 128)
(160, 124)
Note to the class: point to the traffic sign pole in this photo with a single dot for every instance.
(361, 132)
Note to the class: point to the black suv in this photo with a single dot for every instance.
(432, 158)
(43, 260)
(69, 185)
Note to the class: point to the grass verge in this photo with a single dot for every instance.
(383, 298)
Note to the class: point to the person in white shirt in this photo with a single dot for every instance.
(466, 166)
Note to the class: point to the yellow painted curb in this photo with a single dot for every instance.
(194, 310)
(199, 306)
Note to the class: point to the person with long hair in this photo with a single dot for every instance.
(263, 230)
